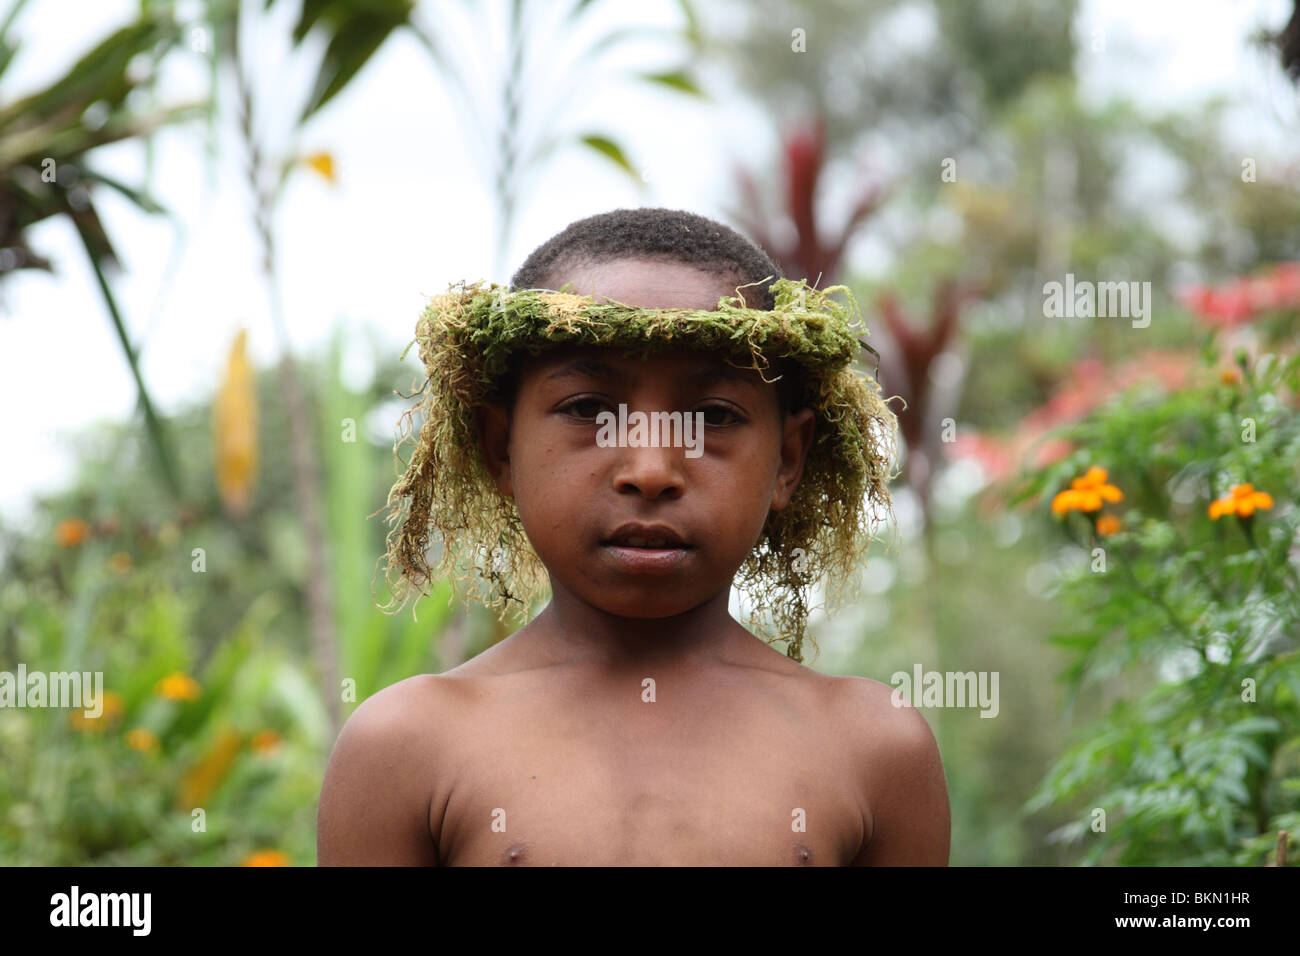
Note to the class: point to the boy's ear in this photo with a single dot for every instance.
(796, 442)
(493, 424)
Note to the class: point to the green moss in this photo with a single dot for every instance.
(467, 339)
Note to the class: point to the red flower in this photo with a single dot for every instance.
(1244, 297)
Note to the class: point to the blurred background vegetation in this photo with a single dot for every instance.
(216, 562)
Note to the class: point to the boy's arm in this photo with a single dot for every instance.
(904, 783)
(375, 799)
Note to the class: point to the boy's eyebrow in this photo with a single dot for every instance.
(718, 373)
(598, 369)
(592, 367)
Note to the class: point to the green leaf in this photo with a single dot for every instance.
(98, 75)
(7, 48)
(356, 31)
(312, 10)
(677, 80)
(140, 198)
(694, 33)
(1255, 725)
(1076, 639)
(610, 150)
(1231, 786)
(578, 10)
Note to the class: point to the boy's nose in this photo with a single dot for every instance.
(650, 471)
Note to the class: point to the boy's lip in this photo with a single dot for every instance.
(630, 560)
(649, 537)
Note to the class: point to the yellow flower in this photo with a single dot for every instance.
(111, 708)
(234, 429)
(1230, 376)
(1086, 493)
(178, 686)
(265, 741)
(1107, 525)
(120, 562)
(71, 532)
(142, 740)
(323, 163)
(266, 858)
(1241, 501)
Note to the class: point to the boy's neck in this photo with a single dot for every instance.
(572, 631)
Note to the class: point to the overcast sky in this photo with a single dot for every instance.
(411, 213)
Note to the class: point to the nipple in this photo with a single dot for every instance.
(514, 855)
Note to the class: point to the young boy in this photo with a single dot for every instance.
(633, 721)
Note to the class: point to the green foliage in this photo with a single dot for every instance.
(76, 791)
(1189, 626)
(46, 139)
(128, 600)
(376, 649)
(988, 614)
(1008, 44)
(356, 30)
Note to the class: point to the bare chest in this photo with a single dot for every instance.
(698, 783)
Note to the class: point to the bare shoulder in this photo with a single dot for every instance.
(376, 798)
(896, 756)
(870, 706)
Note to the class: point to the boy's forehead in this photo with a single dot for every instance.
(645, 284)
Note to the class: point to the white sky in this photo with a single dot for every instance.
(412, 214)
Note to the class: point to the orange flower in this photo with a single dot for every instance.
(178, 686)
(71, 532)
(213, 767)
(266, 858)
(1086, 493)
(265, 741)
(142, 740)
(1107, 525)
(1230, 376)
(1241, 501)
(112, 709)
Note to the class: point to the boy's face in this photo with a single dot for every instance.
(591, 511)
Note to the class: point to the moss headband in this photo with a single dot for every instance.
(468, 338)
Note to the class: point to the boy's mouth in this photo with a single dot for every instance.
(647, 549)
(651, 537)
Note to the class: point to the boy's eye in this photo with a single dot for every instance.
(586, 408)
(719, 415)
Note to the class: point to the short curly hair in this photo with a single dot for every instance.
(469, 339)
(651, 233)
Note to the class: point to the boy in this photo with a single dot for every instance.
(633, 721)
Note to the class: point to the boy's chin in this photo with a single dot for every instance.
(652, 601)
(646, 608)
